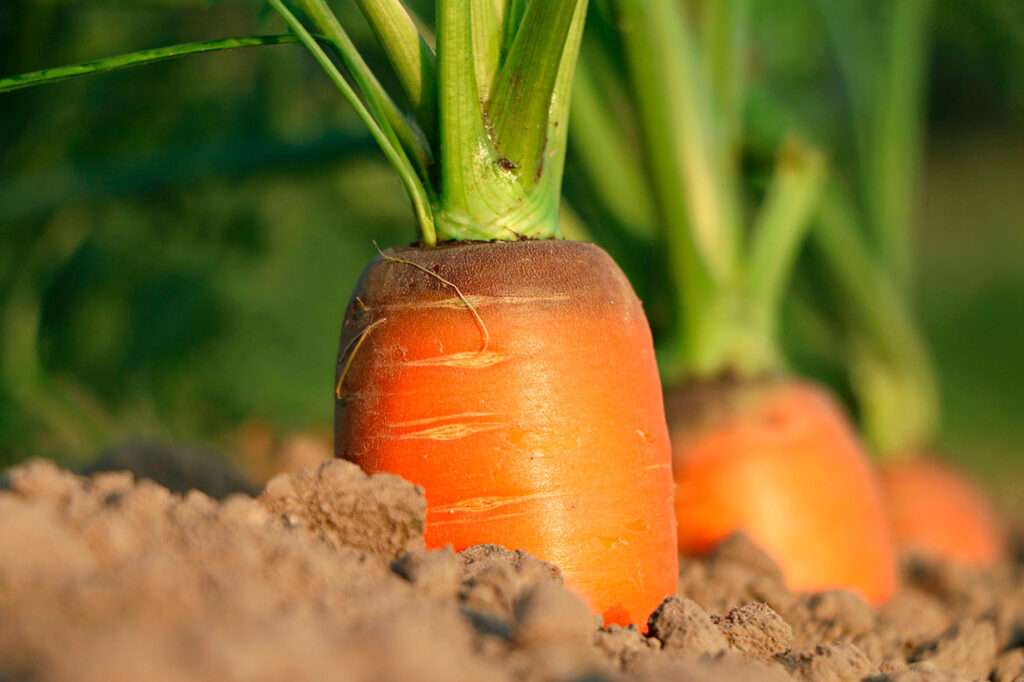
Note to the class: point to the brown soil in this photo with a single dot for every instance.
(325, 577)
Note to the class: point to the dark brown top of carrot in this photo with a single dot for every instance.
(580, 273)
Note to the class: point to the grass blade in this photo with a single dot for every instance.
(133, 59)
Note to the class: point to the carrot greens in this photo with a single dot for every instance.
(500, 80)
(729, 265)
(481, 150)
(865, 237)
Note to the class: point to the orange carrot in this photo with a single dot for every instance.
(778, 462)
(936, 511)
(517, 384)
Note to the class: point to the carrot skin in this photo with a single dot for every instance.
(936, 511)
(778, 461)
(536, 424)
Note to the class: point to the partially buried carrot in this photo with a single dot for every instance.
(778, 461)
(514, 382)
(935, 511)
(509, 373)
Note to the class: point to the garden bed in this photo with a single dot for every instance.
(325, 576)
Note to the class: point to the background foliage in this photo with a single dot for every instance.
(177, 243)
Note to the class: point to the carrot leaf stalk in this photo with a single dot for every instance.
(728, 276)
(866, 239)
(779, 230)
(482, 154)
(372, 115)
(411, 57)
(891, 370)
(884, 72)
(599, 140)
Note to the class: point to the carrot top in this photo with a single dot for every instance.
(482, 149)
(728, 269)
(480, 141)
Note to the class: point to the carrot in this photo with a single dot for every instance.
(754, 450)
(510, 374)
(778, 461)
(935, 511)
(554, 440)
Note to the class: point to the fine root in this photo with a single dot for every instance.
(350, 353)
(485, 336)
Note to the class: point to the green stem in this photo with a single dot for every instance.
(418, 191)
(485, 193)
(487, 35)
(896, 142)
(477, 191)
(512, 12)
(549, 189)
(133, 59)
(611, 165)
(410, 56)
(404, 133)
(698, 205)
(671, 88)
(779, 230)
(523, 91)
(891, 369)
(725, 37)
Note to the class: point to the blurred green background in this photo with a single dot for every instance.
(179, 241)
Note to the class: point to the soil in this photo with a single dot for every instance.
(325, 576)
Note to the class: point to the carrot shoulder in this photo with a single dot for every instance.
(516, 383)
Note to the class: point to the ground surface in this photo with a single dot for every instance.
(325, 576)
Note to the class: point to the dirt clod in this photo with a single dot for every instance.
(686, 630)
(756, 630)
(830, 663)
(968, 647)
(382, 514)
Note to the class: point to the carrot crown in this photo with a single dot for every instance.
(482, 145)
(728, 270)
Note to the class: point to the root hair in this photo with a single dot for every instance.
(485, 336)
